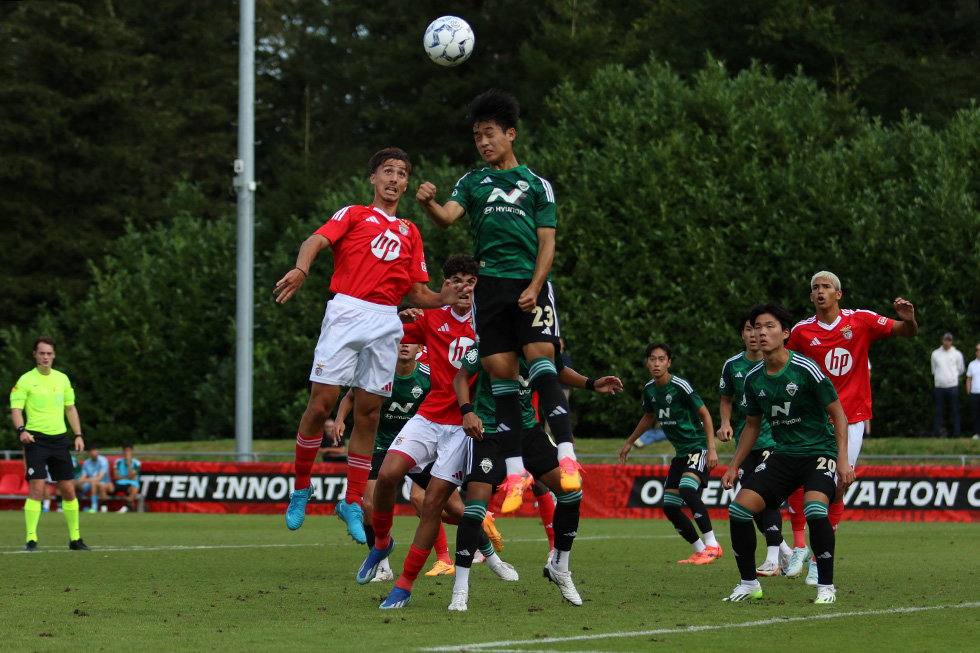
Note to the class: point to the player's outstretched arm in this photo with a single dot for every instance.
(844, 472)
(905, 326)
(709, 432)
(542, 266)
(645, 423)
(293, 280)
(442, 216)
(725, 431)
(750, 434)
(422, 297)
(605, 384)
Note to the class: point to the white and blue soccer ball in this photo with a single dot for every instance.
(449, 41)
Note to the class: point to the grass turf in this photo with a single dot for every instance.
(223, 582)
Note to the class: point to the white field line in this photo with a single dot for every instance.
(97, 548)
(498, 647)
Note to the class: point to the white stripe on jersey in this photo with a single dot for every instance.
(548, 192)
(754, 370)
(649, 382)
(424, 369)
(732, 359)
(464, 177)
(684, 385)
(809, 365)
(339, 215)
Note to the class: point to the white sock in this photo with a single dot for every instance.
(751, 583)
(784, 548)
(462, 578)
(46, 504)
(560, 560)
(772, 554)
(514, 465)
(385, 565)
(698, 546)
(566, 450)
(709, 538)
(494, 559)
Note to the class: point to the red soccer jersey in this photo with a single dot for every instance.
(447, 337)
(841, 350)
(376, 257)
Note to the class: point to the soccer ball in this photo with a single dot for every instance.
(449, 41)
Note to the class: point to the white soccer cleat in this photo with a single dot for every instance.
(784, 560)
(460, 597)
(743, 592)
(826, 594)
(505, 570)
(768, 568)
(383, 575)
(563, 579)
(812, 575)
(796, 562)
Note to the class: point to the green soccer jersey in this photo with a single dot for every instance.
(732, 385)
(676, 405)
(506, 208)
(795, 402)
(483, 404)
(407, 393)
(43, 397)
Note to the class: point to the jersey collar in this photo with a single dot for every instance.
(390, 218)
(831, 326)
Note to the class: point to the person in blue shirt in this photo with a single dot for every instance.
(126, 471)
(94, 480)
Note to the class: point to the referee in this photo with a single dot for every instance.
(48, 399)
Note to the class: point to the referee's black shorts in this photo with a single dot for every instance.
(48, 454)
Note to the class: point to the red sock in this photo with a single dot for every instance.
(414, 562)
(797, 519)
(305, 457)
(358, 470)
(834, 513)
(546, 508)
(381, 521)
(442, 546)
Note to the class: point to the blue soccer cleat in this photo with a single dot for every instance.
(398, 598)
(369, 568)
(353, 516)
(296, 512)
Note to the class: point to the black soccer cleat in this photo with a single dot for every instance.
(31, 546)
(78, 545)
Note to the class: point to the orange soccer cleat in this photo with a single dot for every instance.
(571, 474)
(513, 487)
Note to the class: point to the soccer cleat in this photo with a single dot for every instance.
(369, 568)
(353, 516)
(812, 575)
(398, 598)
(460, 597)
(768, 568)
(796, 561)
(504, 570)
(708, 556)
(491, 530)
(826, 594)
(383, 575)
(513, 487)
(744, 592)
(31, 546)
(714, 551)
(563, 579)
(571, 474)
(784, 560)
(478, 557)
(442, 569)
(698, 558)
(78, 545)
(296, 512)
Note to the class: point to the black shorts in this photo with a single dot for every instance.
(377, 459)
(422, 478)
(539, 452)
(48, 454)
(755, 458)
(123, 488)
(501, 326)
(689, 463)
(780, 475)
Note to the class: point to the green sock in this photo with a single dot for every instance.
(32, 515)
(70, 508)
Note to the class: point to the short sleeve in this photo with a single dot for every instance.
(794, 344)
(461, 193)
(471, 361)
(18, 396)
(544, 209)
(648, 404)
(69, 393)
(338, 225)
(726, 385)
(694, 400)
(826, 393)
(878, 326)
(418, 273)
(750, 403)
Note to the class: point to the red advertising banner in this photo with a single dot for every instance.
(880, 493)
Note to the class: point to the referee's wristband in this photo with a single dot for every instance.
(466, 409)
(79, 435)
(590, 384)
(21, 429)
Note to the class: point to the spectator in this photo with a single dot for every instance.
(127, 474)
(973, 391)
(94, 480)
(947, 366)
(332, 448)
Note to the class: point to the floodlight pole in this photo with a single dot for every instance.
(245, 185)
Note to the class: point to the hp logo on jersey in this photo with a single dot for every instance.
(838, 361)
(386, 246)
(458, 349)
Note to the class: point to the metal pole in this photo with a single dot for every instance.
(245, 184)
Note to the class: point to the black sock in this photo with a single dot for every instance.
(566, 520)
(467, 540)
(822, 541)
(743, 546)
(369, 533)
(677, 517)
(772, 522)
(553, 406)
(509, 423)
(692, 498)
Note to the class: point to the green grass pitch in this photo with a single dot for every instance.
(244, 582)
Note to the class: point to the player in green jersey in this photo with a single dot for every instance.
(797, 398)
(687, 423)
(730, 388)
(487, 469)
(512, 219)
(46, 397)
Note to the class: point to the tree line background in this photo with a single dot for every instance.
(705, 156)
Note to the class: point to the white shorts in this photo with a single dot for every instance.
(358, 345)
(855, 437)
(425, 441)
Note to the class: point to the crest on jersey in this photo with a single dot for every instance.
(791, 388)
(523, 185)
(386, 246)
(486, 465)
(402, 229)
(417, 392)
(847, 333)
(669, 398)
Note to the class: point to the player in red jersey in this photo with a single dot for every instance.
(378, 259)
(838, 340)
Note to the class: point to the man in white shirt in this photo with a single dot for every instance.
(947, 366)
(973, 391)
